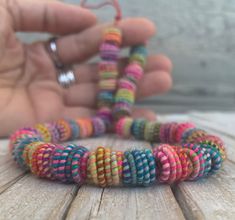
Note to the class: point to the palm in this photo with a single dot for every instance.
(28, 88)
(29, 92)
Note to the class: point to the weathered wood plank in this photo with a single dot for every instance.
(9, 172)
(87, 201)
(211, 198)
(213, 125)
(4, 152)
(155, 202)
(222, 125)
(34, 198)
(214, 197)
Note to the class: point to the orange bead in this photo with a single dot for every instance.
(113, 35)
(100, 166)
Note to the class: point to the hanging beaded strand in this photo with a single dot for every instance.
(108, 73)
(108, 67)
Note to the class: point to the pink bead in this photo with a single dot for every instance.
(180, 130)
(109, 52)
(107, 66)
(123, 127)
(126, 84)
(134, 71)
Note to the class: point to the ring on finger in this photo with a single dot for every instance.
(66, 77)
(52, 49)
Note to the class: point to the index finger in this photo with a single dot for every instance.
(48, 16)
(79, 47)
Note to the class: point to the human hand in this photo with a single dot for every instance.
(29, 91)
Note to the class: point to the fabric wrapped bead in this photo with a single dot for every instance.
(22, 134)
(44, 131)
(149, 131)
(99, 127)
(123, 127)
(77, 166)
(127, 84)
(125, 95)
(138, 54)
(114, 169)
(139, 166)
(75, 130)
(168, 163)
(138, 127)
(64, 130)
(181, 129)
(197, 133)
(19, 149)
(52, 128)
(131, 160)
(105, 99)
(106, 115)
(100, 166)
(31, 154)
(134, 72)
(214, 142)
(108, 84)
(109, 52)
(113, 35)
(107, 167)
(86, 127)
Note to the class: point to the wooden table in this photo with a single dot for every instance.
(24, 196)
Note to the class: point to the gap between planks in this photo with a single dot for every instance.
(214, 197)
(89, 202)
(106, 201)
(155, 202)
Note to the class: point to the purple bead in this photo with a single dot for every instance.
(99, 127)
(109, 52)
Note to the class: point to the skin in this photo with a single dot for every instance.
(29, 91)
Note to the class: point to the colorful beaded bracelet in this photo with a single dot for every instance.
(188, 153)
(196, 155)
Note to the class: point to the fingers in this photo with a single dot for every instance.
(87, 73)
(79, 47)
(144, 113)
(4, 31)
(48, 16)
(82, 112)
(77, 112)
(153, 83)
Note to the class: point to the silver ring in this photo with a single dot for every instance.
(53, 52)
(66, 78)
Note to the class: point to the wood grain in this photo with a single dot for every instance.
(24, 196)
(9, 172)
(34, 198)
(213, 197)
(125, 203)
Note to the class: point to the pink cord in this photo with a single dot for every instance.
(113, 3)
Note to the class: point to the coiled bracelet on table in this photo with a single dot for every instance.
(188, 153)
